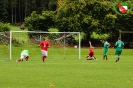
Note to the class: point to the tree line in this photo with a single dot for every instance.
(86, 16)
(14, 11)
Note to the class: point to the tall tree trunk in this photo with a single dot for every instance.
(22, 16)
(25, 5)
(12, 13)
(19, 11)
(15, 15)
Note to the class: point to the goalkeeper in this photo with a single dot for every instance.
(91, 56)
(24, 54)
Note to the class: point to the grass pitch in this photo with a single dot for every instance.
(70, 72)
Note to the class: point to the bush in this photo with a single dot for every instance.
(4, 27)
(40, 22)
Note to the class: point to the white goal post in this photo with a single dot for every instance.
(42, 32)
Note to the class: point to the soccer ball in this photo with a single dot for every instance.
(75, 46)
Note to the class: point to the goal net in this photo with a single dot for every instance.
(4, 47)
(62, 44)
(127, 37)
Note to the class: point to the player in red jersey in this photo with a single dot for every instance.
(44, 48)
(90, 56)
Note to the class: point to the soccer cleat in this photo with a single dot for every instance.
(116, 61)
(106, 59)
(103, 58)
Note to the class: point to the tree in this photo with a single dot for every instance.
(86, 16)
(15, 11)
(52, 5)
(13, 5)
(40, 21)
(4, 10)
(124, 23)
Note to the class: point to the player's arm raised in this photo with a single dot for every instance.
(90, 43)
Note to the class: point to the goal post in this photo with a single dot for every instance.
(57, 39)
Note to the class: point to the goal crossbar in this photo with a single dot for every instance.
(79, 41)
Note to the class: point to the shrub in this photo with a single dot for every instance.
(4, 27)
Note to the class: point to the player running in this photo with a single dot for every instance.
(105, 50)
(44, 48)
(90, 56)
(24, 54)
(119, 46)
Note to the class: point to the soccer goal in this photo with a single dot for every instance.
(62, 44)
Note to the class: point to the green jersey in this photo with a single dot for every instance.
(119, 45)
(25, 51)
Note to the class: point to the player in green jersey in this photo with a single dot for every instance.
(24, 54)
(119, 46)
(105, 46)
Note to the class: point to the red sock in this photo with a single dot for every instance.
(43, 59)
(19, 60)
(27, 58)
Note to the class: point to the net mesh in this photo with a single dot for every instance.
(4, 46)
(61, 44)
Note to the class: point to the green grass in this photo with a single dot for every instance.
(70, 72)
(15, 27)
(18, 28)
(53, 30)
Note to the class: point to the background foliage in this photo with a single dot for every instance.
(86, 16)
(4, 27)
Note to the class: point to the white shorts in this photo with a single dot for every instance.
(23, 55)
(92, 58)
(44, 53)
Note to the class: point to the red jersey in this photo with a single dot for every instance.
(44, 45)
(91, 49)
(91, 53)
